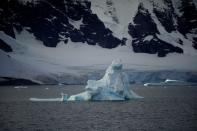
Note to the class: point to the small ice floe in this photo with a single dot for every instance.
(167, 82)
(45, 100)
(173, 81)
(146, 84)
(47, 88)
(63, 96)
(20, 87)
(153, 84)
(60, 84)
(113, 86)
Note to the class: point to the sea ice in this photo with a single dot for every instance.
(113, 86)
(169, 82)
(20, 87)
(63, 96)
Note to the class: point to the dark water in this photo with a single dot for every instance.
(162, 109)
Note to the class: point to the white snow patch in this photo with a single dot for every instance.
(148, 38)
(76, 24)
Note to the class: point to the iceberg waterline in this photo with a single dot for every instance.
(113, 86)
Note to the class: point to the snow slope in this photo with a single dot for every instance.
(125, 10)
(32, 60)
(122, 10)
(75, 62)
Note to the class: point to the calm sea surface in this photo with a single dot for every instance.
(162, 109)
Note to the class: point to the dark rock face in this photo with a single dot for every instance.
(166, 19)
(5, 47)
(195, 42)
(6, 18)
(51, 22)
(95, 32)
(154, 46)
(165, 16)
(15, 81)
(188, 21)
(144, 26)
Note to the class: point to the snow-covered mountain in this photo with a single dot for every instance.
(71, 41)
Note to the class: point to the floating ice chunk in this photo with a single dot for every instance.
(146, 84)
(62, 98)
(84, 96)
(172, 81)
(60, 84)
(154, 84)
(169, 82)
(45, 100)
(20, 87)
(113, 86)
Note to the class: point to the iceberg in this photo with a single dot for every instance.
(113, 86)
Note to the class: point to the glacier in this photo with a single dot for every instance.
(78, 64)
(113, 86)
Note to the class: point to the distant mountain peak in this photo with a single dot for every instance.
(106, 23)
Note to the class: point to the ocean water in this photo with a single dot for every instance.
(162, 109)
